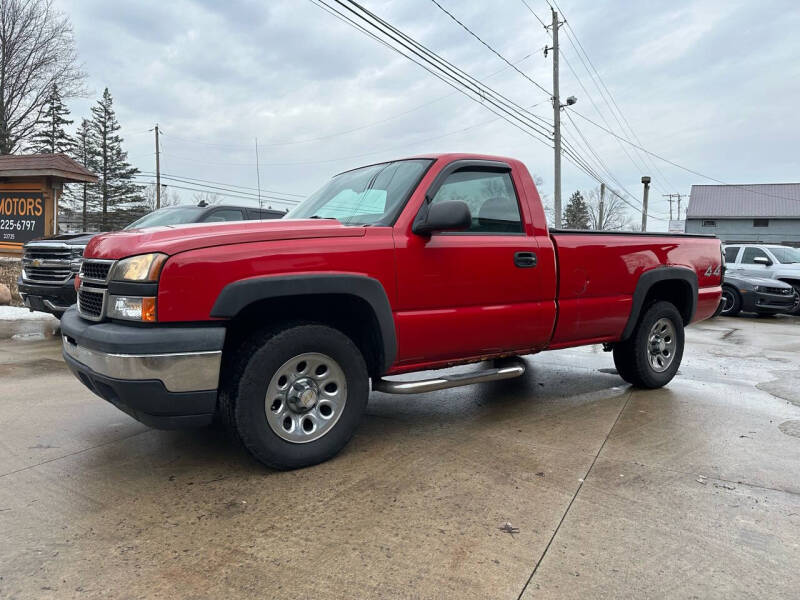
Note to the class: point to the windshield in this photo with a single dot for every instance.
(166, 216)
(367, 196)
(786, 255)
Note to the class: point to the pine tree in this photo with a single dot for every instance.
(576, 215)
(80, 195)
(50, 136)
(116, 194)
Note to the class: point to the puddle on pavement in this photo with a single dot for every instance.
(785, 387)
(32, 368)
(791, 428)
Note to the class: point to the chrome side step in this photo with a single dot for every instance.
(444, 382)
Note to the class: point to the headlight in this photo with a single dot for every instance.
(76, 257)
(144, 267)
(132, 308)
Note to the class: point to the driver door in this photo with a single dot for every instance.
(470, 293)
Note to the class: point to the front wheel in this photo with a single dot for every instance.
(651, 356)
(295, 396)
(731, 301)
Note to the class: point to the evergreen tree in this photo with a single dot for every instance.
(50, 136)
(576, 215)
(116, 194)
(80, 195)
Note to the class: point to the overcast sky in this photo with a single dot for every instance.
(712, 85)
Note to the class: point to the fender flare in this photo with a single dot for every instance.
(237, 295)
(647, 280)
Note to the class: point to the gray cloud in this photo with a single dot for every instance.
(712, 85)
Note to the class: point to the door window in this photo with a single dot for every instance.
(730, 253)
(224, 214)
(750, 254)
(491, 199)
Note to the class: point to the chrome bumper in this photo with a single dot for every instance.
(179, 372)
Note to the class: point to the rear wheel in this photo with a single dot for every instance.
(651, 356)
(731, 301)
(295, 396)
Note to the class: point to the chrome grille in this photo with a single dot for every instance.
(47, 274)
(47, 263)
(96, 269)
(90, 303)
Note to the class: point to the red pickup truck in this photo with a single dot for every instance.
(281, 328)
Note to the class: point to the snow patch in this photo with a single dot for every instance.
(20, 313)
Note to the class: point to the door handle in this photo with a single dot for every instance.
(525, 260)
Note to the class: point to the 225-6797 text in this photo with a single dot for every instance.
(17, 224)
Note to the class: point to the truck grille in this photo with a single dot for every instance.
(95, 269)
(90, 304)
(46, 264)
(779, 291)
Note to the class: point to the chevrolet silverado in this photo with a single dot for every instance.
(282, 328)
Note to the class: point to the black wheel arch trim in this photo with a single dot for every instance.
(235, 296)
(647, 280)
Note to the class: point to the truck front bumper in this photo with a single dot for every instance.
(55, 299)
(164, 376)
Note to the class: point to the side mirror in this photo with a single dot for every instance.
(452, 215)
(762, 260)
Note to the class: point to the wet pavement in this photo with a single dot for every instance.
(565, 483)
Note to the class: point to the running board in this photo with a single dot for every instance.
(514, 369)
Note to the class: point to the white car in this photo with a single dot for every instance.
(765, 260)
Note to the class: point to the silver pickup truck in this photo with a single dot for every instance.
(767, 261)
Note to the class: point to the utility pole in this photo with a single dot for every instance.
(679, 206)
(556, 125)
(600, 224)
(258, 177)
(669, 197)
(646, 182)
(158, 171)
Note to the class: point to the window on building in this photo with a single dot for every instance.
(709, 223)
(730, 253)
(760, 222)
(751, 253)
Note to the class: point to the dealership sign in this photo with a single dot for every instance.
(21, 216)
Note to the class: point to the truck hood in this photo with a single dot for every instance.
(70, 239)
(180, 238)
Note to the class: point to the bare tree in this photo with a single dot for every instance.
(37, 52)
(168, 197)
(207, 198)
(614, 215)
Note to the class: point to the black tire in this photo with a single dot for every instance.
(244, 393)
(731, 300)
(633, 356)
(796, 310)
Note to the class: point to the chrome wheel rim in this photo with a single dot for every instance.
(305, 397)
(727, 300)
(661, 345)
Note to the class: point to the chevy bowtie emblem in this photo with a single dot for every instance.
(36, 262)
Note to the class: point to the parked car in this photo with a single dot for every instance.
(280, 327)
(49, 265)
(766, 260)
(756, 295)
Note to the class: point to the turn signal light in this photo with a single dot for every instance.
(149, 310)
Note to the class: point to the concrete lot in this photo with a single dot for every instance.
(692, 491)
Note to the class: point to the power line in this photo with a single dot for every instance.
(345, 131)
(679, 166)
(571, 35)
(227, 194)
(436, 65)
(230, 185)
(225, 189)
(496, 53)
(528, 6)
